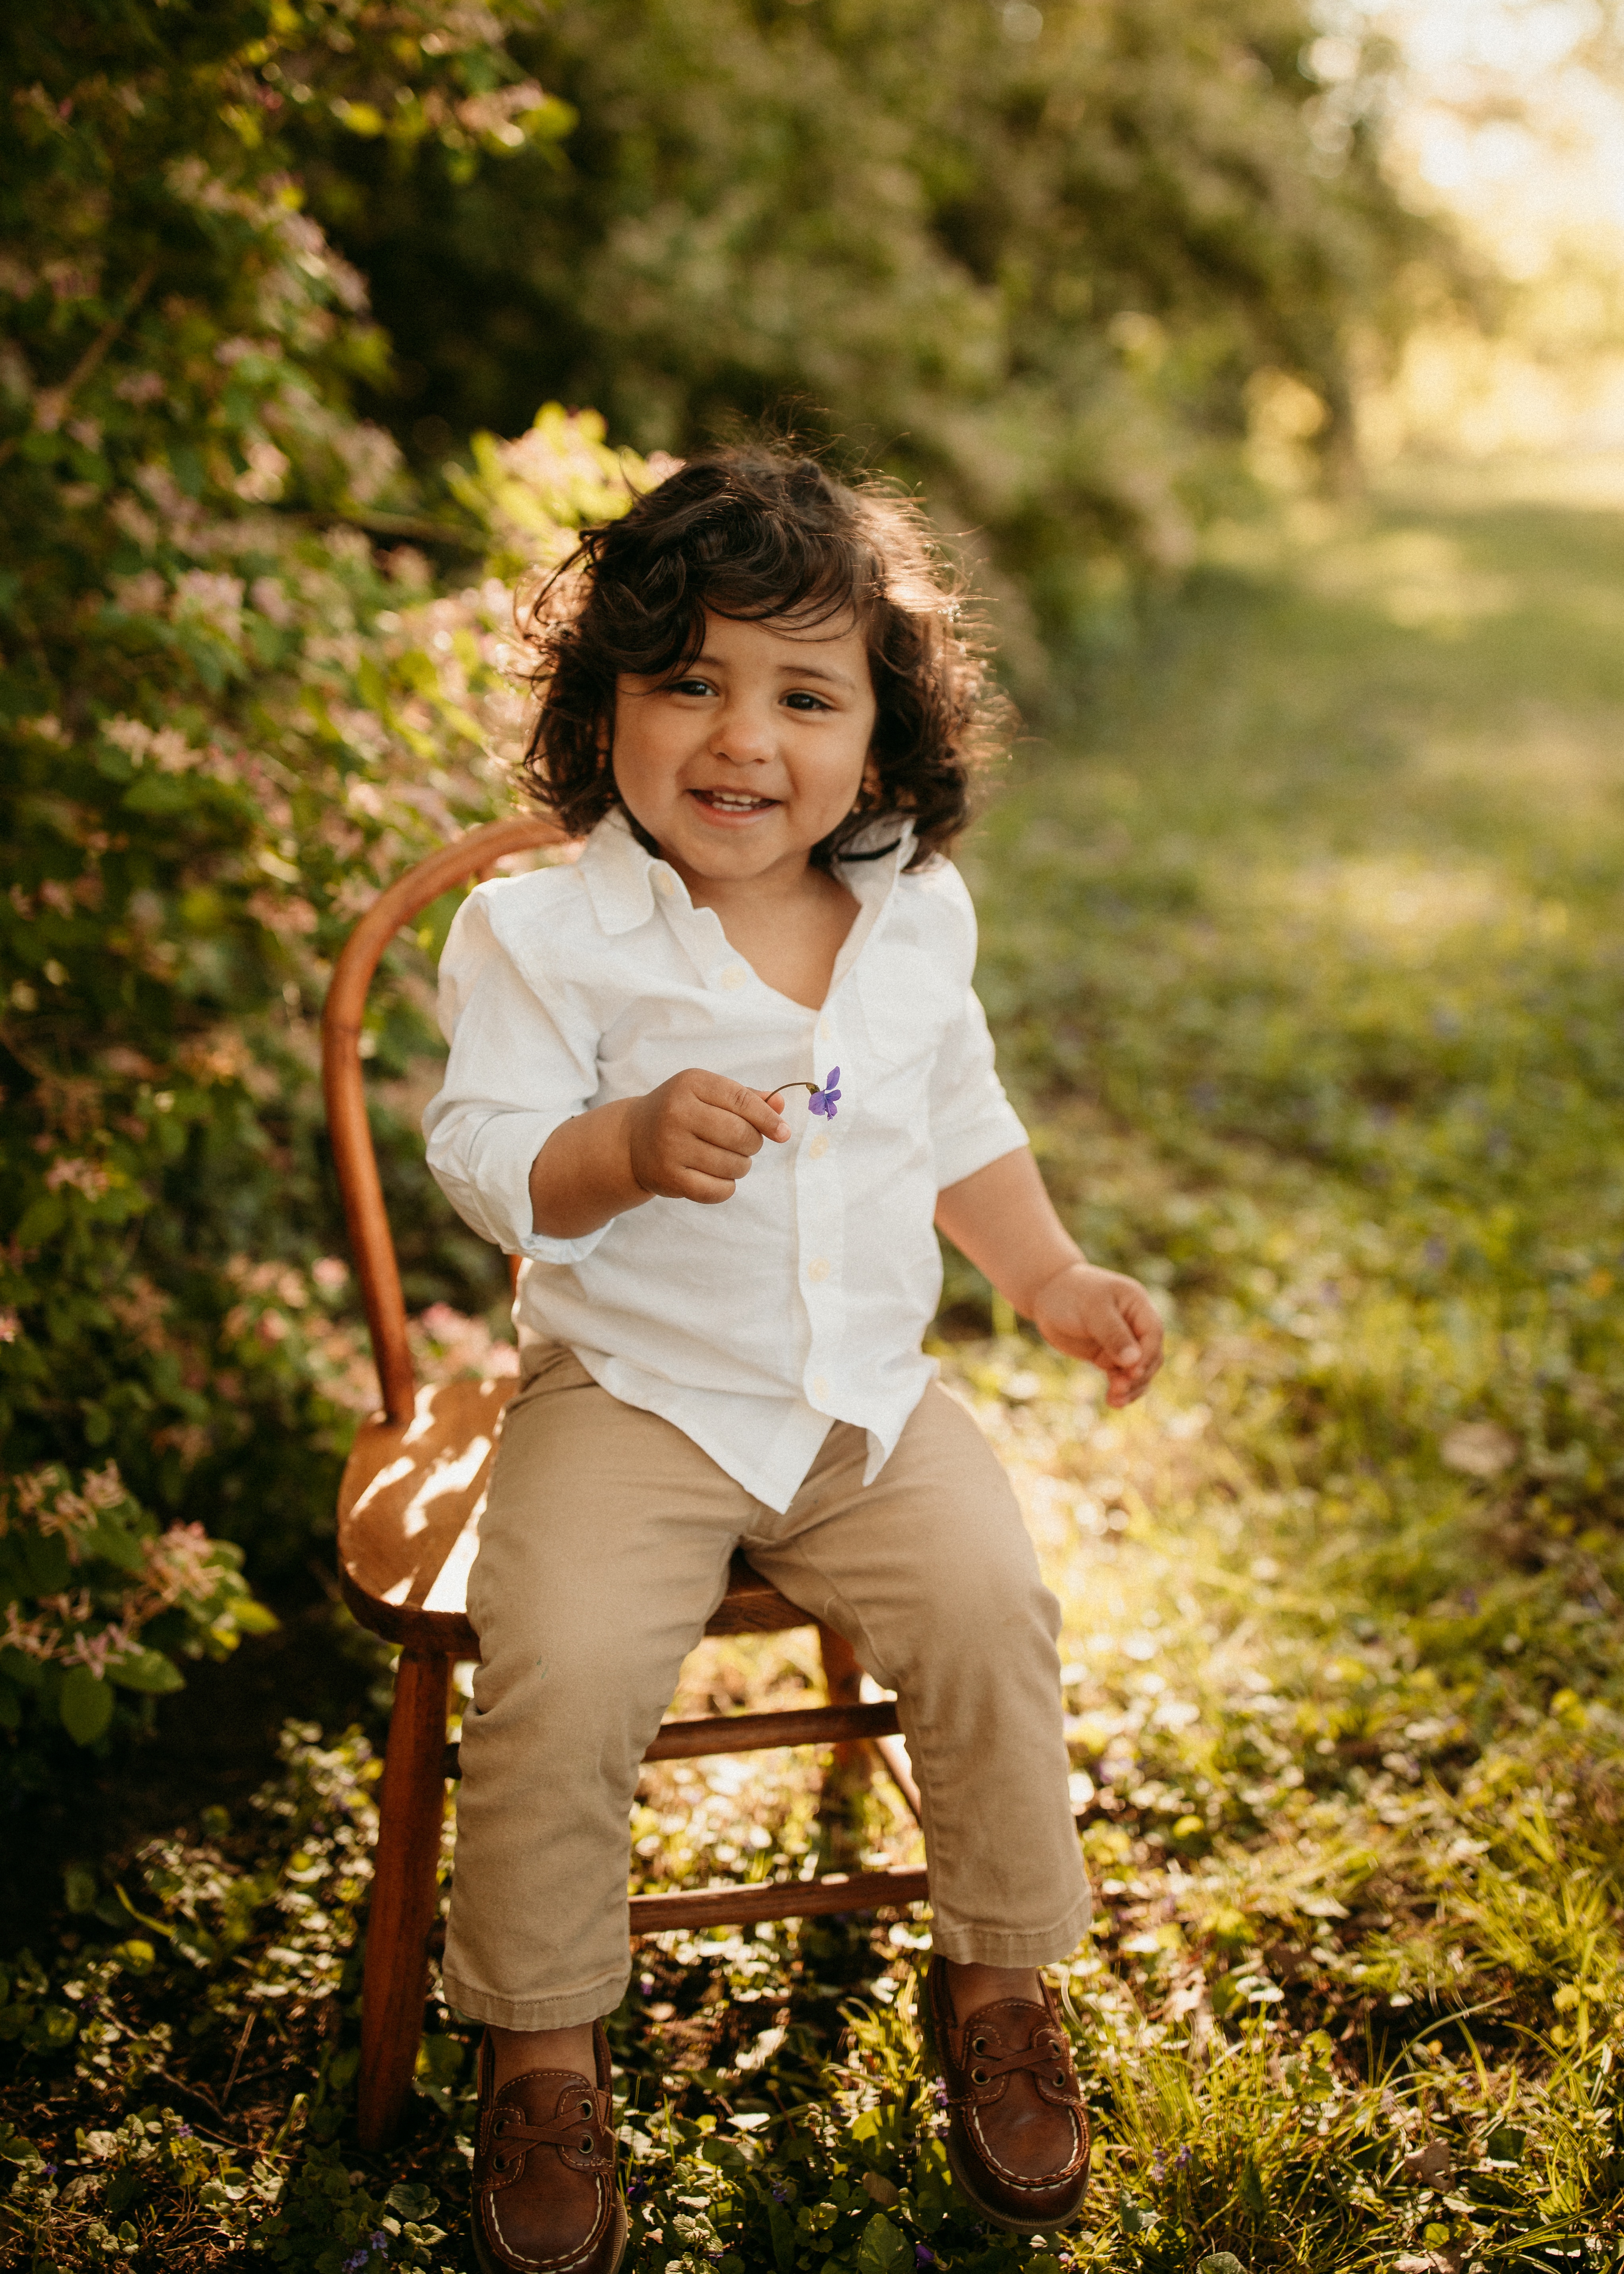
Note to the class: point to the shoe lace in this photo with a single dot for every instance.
(572, 2127)
(1048, 2050)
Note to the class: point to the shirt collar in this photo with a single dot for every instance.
(619, 875)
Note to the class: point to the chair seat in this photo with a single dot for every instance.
(409, 1510)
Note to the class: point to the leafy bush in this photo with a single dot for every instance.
(98, 1602)
(229, 715)
(1048, 263)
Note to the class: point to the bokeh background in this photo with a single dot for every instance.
(1265, 364)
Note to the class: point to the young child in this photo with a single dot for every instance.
(759, 709)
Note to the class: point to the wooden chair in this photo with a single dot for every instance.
(408, 1527)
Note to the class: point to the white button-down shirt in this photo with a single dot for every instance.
(802, 1299)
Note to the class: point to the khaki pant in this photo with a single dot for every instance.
(604, 1550)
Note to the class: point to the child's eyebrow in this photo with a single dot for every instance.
(786, 671)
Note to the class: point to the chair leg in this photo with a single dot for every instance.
(405, 1888)
(851, 1770)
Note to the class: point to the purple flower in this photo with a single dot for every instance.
(923, 2255)
(826, 1099)
(779, 2194)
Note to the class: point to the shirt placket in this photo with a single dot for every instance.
(820, 1223)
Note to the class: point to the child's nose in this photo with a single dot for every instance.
(744, 734)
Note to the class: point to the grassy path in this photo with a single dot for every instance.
(1310, 964)
(1305, 959)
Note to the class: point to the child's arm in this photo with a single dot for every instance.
(691, 1139)
(1002, 1218)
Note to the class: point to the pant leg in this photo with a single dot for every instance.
(603, 1550)
(929, 1574)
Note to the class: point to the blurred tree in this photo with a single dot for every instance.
(1031, 259)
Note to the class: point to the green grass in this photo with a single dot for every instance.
(1306, 962)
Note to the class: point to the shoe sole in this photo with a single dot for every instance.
(488, 2265)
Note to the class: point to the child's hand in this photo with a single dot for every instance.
(692, 1138)
(1107, 1318)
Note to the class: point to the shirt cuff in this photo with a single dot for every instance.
(959, 1153)
(491, 1188)
(540, 1249)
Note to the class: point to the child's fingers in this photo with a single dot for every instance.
(729, 1132)
(1144, 1325)
(762, 1113)
(720, 1161)
(696, 1185)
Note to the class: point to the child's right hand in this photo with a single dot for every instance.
(693, 1138)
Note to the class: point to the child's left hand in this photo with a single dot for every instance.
(1107, 1318)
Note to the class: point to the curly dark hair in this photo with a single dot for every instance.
(751, 534)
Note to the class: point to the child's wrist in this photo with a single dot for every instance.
(1048, 1280)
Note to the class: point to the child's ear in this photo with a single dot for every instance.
(869, 794)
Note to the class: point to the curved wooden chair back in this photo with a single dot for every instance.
(344, 1079)
(408, 1528)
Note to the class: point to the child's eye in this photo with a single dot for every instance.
(692, 687)
(802, 701)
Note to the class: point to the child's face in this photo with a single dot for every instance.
(739, 768)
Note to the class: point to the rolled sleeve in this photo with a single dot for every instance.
(972, 1121)
(519, 1068)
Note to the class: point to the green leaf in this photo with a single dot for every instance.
(149, 1671)
(882, 2249)
(1506, 2145)
(85, 1705)
(46, 1557)
(78, 1887)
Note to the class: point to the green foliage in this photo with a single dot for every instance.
(99, 1604)
(1046, 277)
(228, 716)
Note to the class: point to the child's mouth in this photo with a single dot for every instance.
(731, 805)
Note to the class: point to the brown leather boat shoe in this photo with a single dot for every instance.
(546, 2200)
(1017, 2133)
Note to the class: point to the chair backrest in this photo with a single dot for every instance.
(343, 1082)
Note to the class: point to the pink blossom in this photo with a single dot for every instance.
(83, 1175)
(26, 1635)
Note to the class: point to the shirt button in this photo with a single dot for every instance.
(825, 1032)
(665, 884)
(820, 1388)
(818, 1147)
(818, 1268)
(734, 976)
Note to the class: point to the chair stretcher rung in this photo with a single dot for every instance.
(755, 1732)
(743, 1904)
